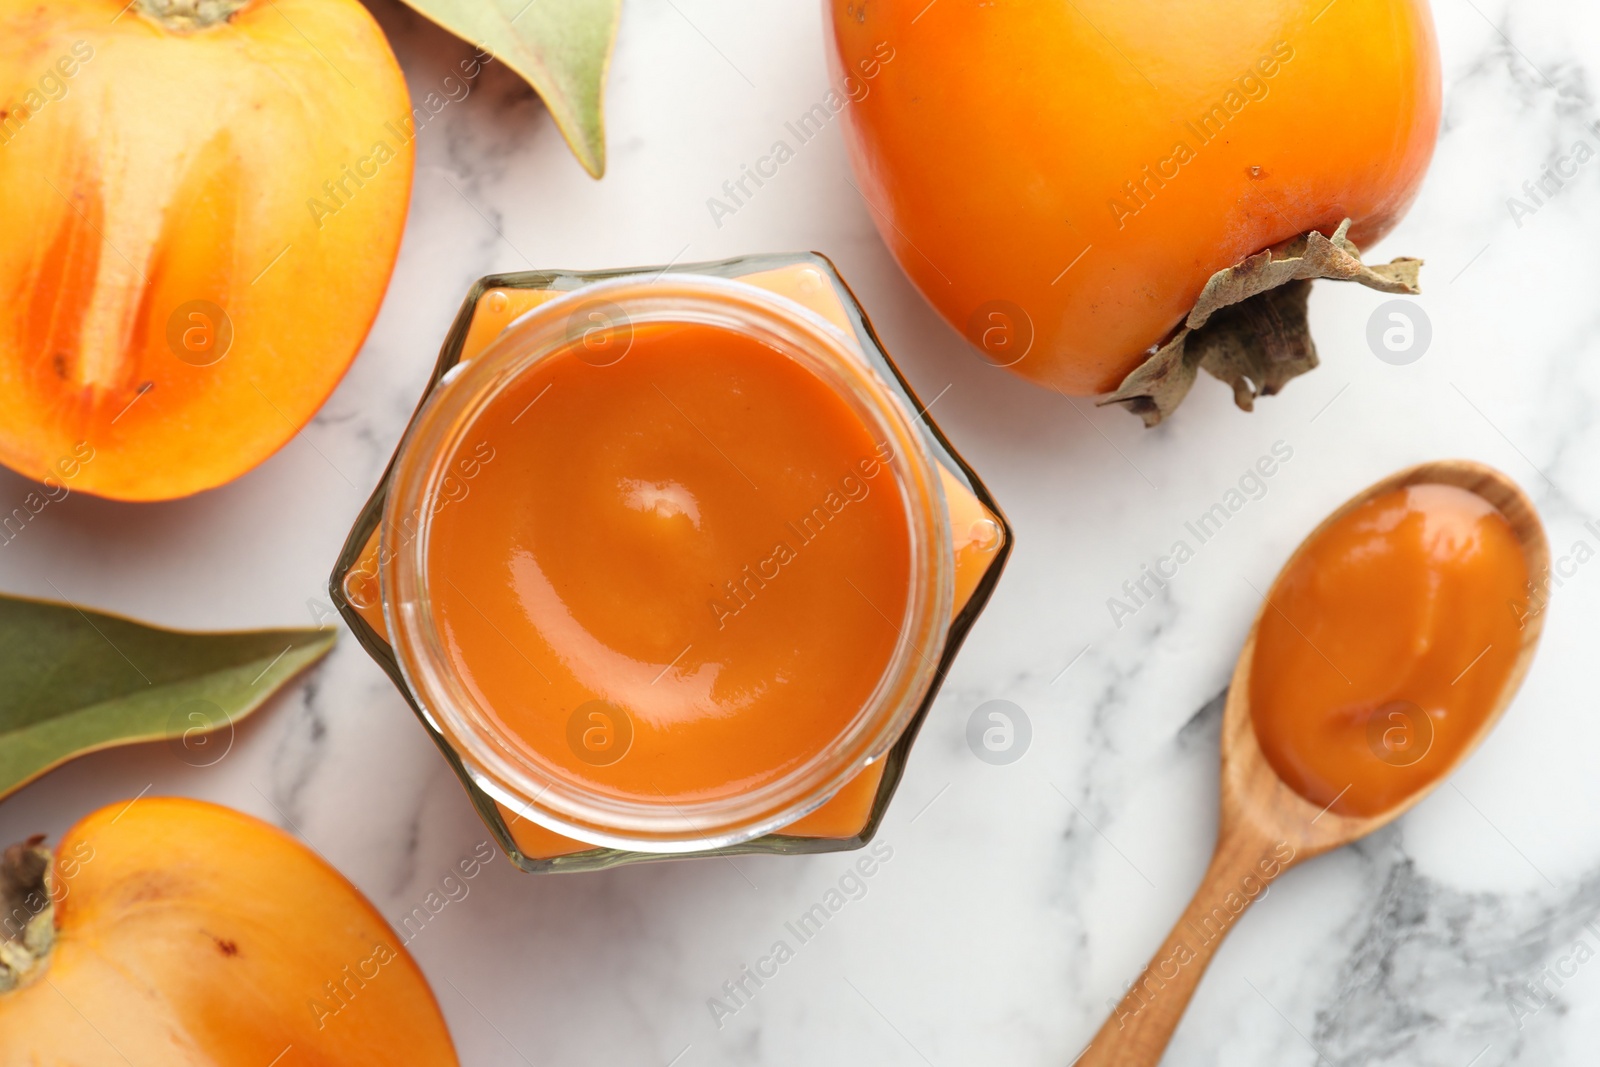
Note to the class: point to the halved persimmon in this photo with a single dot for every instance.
(174, 932)
(203, 201)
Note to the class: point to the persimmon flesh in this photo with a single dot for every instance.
(190, 935)
(1065, 178)
(201, 220)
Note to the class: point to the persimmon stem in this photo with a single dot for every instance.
(1249, 326)
(27, 912)
(186, 16)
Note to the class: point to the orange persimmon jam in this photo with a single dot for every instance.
(1386, 645)
(671, 566)
(698, 546)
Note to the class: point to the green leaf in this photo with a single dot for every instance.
(73, 681)
(561, 47)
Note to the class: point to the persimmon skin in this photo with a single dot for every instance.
(191, 935)
(993, 143)
(176, 167)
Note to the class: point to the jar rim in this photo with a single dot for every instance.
(564, 803)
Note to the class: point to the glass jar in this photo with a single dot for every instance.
(543, 816)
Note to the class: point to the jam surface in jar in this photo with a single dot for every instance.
(676, 576)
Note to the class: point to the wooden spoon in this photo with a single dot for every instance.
(1265, 827)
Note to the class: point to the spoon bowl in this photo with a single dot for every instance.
(1264, 826)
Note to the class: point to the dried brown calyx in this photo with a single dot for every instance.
(27, 912)
(186, 16)
(1249, 326)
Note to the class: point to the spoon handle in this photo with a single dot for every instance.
(1137, 1032)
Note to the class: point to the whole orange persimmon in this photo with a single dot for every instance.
(180, 933)
(203, 204)
(1060, 180)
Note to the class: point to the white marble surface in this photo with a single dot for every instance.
(1019, 898)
